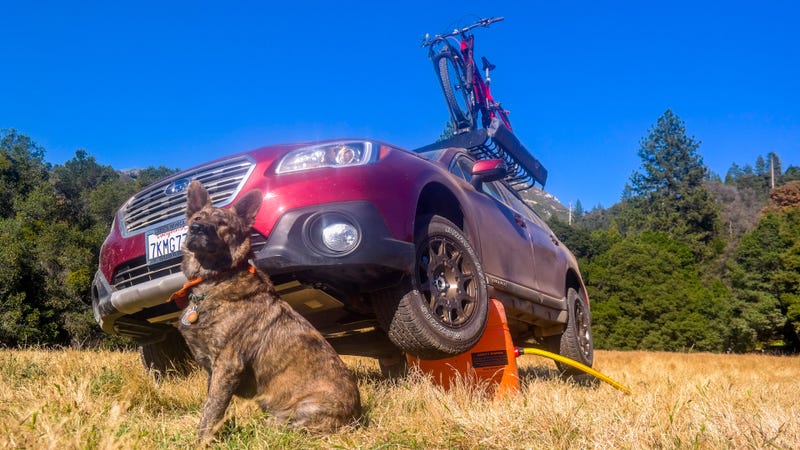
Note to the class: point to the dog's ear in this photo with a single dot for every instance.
(247, 207)
(196, 198)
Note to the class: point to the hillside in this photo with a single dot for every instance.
(546, 204)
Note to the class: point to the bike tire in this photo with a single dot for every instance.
(452, 78)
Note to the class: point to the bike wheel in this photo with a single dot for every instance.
(457, 93)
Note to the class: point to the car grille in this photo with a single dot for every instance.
(153, 205)
(137, 271)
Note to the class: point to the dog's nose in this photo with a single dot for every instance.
(196, 228)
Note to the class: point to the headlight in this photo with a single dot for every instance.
(338, 154)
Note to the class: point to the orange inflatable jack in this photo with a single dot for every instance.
(491, 360)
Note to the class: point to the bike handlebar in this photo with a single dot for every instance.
(480, 23)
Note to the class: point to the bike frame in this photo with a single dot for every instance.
(480, 87)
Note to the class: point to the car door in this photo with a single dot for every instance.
(503, 235)
(549, 257)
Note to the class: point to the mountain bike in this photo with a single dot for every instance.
(471, 104)
(465, 89)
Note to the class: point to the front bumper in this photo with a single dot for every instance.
(294, 246)
(292, 251)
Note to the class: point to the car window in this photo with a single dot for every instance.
(493, 189)
(515, 202)
(462, 167)
(458, 170)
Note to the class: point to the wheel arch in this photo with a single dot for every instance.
(437, 199)
(573, 280)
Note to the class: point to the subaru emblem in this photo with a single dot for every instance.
(177, 186)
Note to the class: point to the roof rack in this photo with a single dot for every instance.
(498, 142)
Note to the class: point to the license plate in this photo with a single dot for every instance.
(164, 242)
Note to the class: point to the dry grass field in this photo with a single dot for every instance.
(85, 399)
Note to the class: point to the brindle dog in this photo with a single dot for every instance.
(252, 343)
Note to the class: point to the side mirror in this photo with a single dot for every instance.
(486, 171)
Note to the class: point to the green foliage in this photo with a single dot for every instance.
(150, 175)
(52, 223)
(22, 168)
(583, 242)
(791, 174)
(765, 276)
(649, 262)
(647, 293)
(578, 211)
(448, 132)
(24, 314)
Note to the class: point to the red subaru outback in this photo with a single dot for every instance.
(384, 250)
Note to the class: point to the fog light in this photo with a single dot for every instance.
(340, 237)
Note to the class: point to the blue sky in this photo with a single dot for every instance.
(178, 83)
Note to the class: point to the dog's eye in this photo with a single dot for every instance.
(221, 220)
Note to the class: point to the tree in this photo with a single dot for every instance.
(785, 197)
(578, 211)
(756, 183)
(22, 168)
(669, 193)
(75, 180)
(448, 132)
(738, 209)
(791, 174)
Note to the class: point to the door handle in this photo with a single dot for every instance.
(518, 219)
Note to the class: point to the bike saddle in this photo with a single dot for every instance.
(486, 64)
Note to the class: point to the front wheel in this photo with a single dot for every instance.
(442, 308)
(456, 89)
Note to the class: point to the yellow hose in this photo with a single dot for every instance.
(575, 364)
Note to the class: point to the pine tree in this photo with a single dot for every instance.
(579, 212)
(448, 132)
(669, 193)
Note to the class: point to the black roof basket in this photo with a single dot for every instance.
(498, 142)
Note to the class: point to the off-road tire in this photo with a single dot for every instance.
(576, 341)
(442, 308)
(393, 368)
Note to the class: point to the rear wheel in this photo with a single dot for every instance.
(576, 341)
(457, 93)
(393, 368)
(442, 309)
(168, 355)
